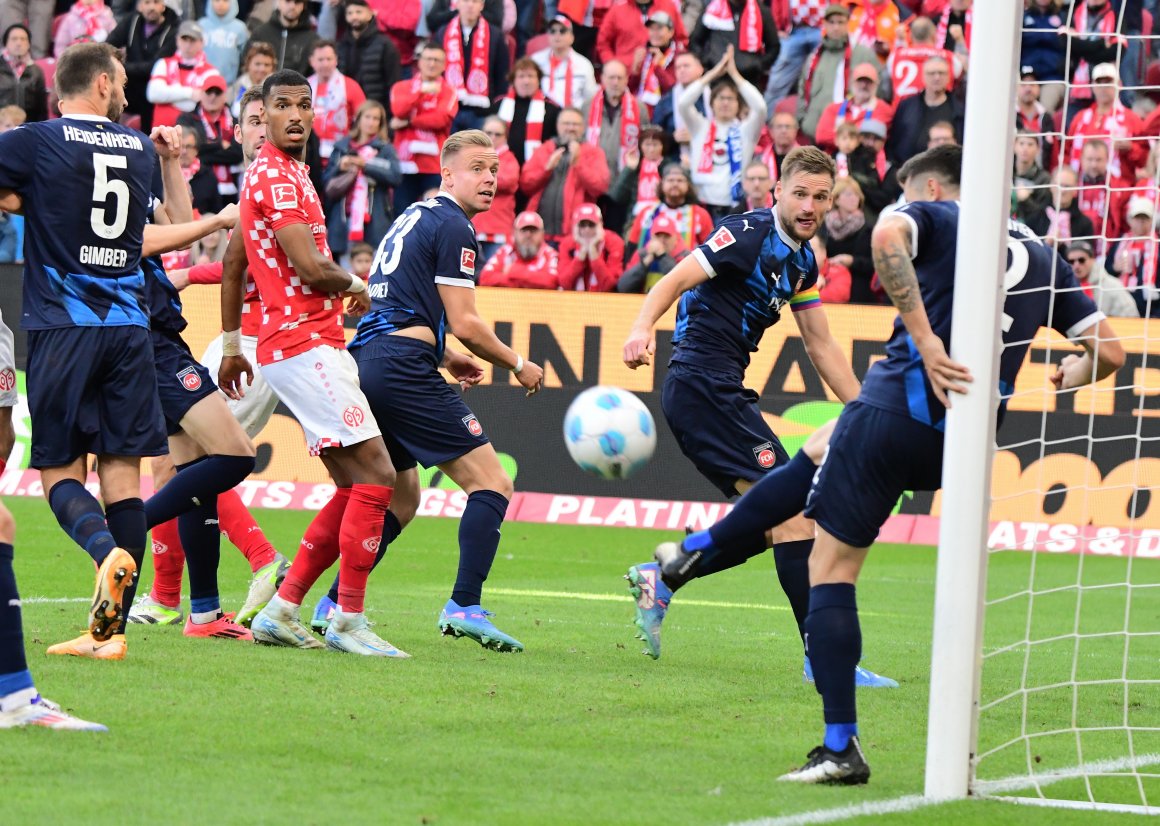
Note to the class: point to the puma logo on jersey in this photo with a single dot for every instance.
(745, 225)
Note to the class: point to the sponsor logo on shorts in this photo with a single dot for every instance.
(467, 260)
(372, 544)
(473, 426)
(764, 455)
(189, 379)
(285, 196)
(354, 416)
(721, 239)
(7, 378)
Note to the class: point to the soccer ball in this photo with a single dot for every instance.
(609, 432)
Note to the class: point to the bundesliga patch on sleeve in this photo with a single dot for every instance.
(721, 239)
(467, 261)
(285, 196)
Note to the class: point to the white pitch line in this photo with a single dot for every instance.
(911, 802)
(52, 600)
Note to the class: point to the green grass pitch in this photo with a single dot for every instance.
(580, 729)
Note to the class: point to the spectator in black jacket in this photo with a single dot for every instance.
(713, 35)
(213, 124)
(917, 113)
(846, 234)
(203, 185)
(147, 35)
(28, 90)
(442, 13)
(366, 55)
(292, 35)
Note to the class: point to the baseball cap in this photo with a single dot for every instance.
(588, 212)
(1026, 71)
(873, 127)
(1105, 71)
(865, 70)
(561, 20)
(214, 81)
(190, 29)
(363, 3)
(529, 219)
(836, 8)
(1139, 205)
(664, 225)
(661, 18)
(1082, 246)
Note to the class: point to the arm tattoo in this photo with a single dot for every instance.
(896, 272)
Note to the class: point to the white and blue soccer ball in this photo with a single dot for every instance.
(609, 432)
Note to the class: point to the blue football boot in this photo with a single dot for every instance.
(473, 621)
(863, 677)
(652, 603)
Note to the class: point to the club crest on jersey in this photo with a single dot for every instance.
(467, 261)
(189, 379)
(721, 239)
(7, 379)
(764, 455)
(285, 196)
(354, 416)
(473, 426)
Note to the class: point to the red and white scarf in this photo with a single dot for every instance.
(409, 141)
(1105, 25)
(944, 25)
(331, 119)
(358, 201)
(218, 130)
(1112, 127)
(472, 87)
(719, 17)
(188, 172)
(17, 66)
(534, 125)
(629, 124)
(649, 92)
(94, 18)
(1143, 256)
(647, 182)
(553, 64)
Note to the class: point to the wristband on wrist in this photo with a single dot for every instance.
(357, 285)
(231, 342)
(519, 364)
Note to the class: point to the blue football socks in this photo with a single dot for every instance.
(127, 525)
(14, 674)
(834, 646)
(80, 515)
(478, 542)
(793, 572)
(195, 484)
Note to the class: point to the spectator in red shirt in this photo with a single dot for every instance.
(679, 202)
(657, 74)
(493, 225)
(336, 97)
(833, 278)
(175, 84)
(1102, 196)
(1109, 120)
(422, 109)
(861, 105)
(904, 67)
(564, 173)
(592, 257)
(623, 35)
(526, 260)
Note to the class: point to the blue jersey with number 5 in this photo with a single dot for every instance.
(432, 243)
(85, 182)
(1040, 291)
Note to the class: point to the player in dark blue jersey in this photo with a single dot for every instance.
(731, 290)
(422, 285)
(84, 183)
(891, 438)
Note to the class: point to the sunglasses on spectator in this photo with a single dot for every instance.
(215, 91)
(1079, 259)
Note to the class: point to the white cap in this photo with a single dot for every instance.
(1105, 70)
(1139, 205)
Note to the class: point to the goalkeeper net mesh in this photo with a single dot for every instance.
(1069, 702)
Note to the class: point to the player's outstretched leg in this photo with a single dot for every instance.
(20, 703)
(652, 598)
(267, 565)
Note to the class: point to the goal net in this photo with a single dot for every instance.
(1066, 708)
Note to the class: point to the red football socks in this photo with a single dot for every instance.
(319, 549)
(362, 530)
(168, 563)
(237, 523)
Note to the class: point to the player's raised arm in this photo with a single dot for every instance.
(641, 342)
(163, 236)
(1103, 356)
(891, 245)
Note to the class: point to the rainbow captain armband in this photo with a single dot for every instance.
(806, 300)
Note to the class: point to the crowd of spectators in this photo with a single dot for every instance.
(625, 128)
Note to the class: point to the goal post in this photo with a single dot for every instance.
(980, 262)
